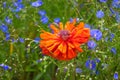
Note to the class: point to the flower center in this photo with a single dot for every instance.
(64, 34)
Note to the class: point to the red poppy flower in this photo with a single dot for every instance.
(65, 42)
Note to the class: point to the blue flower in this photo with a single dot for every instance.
(57, 20)
(111, 36)
(112, 11)
(104, 1)
(96, 60)
(37, 3)
(13, 40)
(91, 45)
(78, 70)
(7, 36)
(5, 67)
(8, 20)
(95, 33)
(87, 26)
(21, 40)
(42, 13)
(90, 64)
(4, 28)
(44, 19)
(100, 14)
(4, 4)
(116, 76)
(97, 72)
(37, 40)
(18, 6)
(116, 3)
(19, 1)
(117, 17)
(113, 50)
(71, 20)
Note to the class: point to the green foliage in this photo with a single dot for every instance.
(28, 62)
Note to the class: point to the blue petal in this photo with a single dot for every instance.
(116, 76)
(91, 44)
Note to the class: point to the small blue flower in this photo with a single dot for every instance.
(4, 4)
(95, 33)
(113, 50)
(57, 20)
(104, 1)
(18, 7)
(117, 17)
(97, 60)
(71, 20)
(44, 19)
(112, 11)
(8, 20)
(19, 1)
(100, 14)
(90, 64)
(42, 12)
(37, 40)
(5, 67)
(37, 3)
(91, 45)
(116, 76)
(7, 36)
(13, 40)
(4, 28)
(116, 3)
(112, 35)
(78, 70)
(97, 72)
(87, 26)
(21, 40)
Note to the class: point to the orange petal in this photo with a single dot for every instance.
(61, 26)
(47, 43)
(54, 28)
(56, 53)
(62, 47)
(70, 45)
(80, 25)
(53, 47)
(47, 35)
(70, 25)
(76, 32)
(71, 53)
(84, 36)
(44, 50)
(79, 49)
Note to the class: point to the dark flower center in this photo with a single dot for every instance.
(64, 34)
